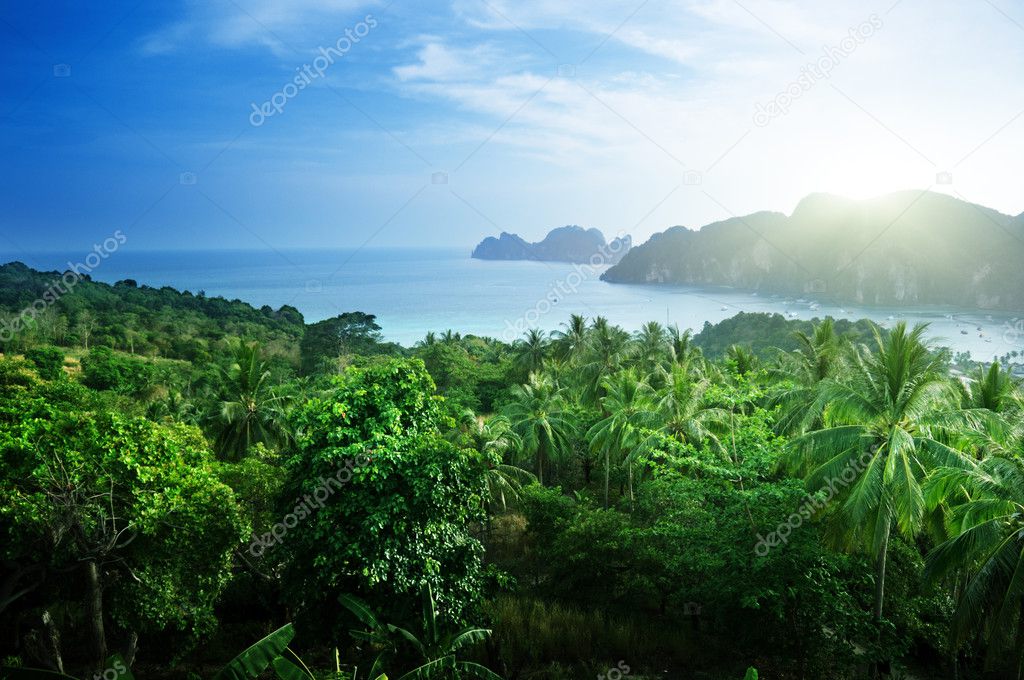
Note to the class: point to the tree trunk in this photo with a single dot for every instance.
(1020, 641)
(95, 609)
(629, 467)
(132, 649)
(53, 641)
(540, 463)
(880, 565)
(607, 475)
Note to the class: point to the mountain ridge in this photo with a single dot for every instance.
(902, 248)
(571, 243)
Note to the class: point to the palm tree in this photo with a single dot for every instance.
(570, 343)
(993, 389)
(652, 346)
(538, 418)
(741, 360)
(630, 408)
(991, 408)
(879, 442)
(816, 358)
(607, 348)
(531, 350)
(681, 345)
(429, 340)
(684, 416)
(251, 411)
(987, 545)
(491, 439)
(450, 336)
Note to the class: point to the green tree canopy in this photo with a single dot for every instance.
(393, 499)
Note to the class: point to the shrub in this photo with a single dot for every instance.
(49, 361)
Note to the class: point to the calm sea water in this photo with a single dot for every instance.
(415, 291)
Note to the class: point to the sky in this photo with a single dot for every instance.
(338, 123)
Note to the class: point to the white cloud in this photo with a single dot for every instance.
(915, 84)
(262, 24)
(441, 63)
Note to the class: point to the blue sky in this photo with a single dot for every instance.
(627, 116)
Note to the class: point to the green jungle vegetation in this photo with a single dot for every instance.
(194, 488)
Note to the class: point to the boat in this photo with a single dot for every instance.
(724, 308)
(963, 332)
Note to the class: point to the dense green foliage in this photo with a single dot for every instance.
(766, 334)
(136, 319)
(820, 500)
(393, 499)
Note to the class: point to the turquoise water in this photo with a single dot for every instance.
(415, 291)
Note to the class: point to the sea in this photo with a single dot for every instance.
(413, 291)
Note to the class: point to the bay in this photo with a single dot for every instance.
(413, 291)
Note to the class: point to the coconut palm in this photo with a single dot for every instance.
(993, 389)
(629, 403)
(801, 371)
(680, 404)
(570, 343)
(652, 347)
(531, 350)
(991, 410)
(491, 439)
(986, 526)
(607, 349)
(450, 336)
(538, 418)
(878, 441)
(741, 360)
(252, 411)
(681, 345)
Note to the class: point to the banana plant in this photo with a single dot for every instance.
(437, 649)
(270, 652)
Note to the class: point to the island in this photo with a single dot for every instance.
(565, 244)
(904, 248)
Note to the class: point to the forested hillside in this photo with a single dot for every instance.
(900, 249)
(588, 502)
